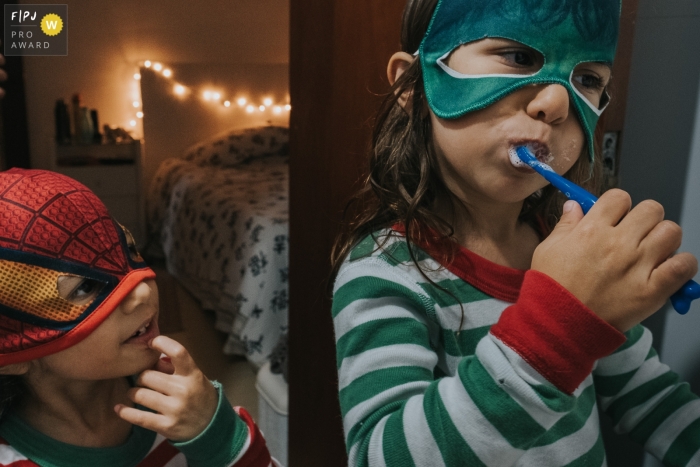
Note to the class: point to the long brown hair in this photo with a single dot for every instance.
(404, 181)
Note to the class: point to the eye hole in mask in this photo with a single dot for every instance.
(131, 245)
(78, 290)
(590, 81)
(39, 292)
(496, 57)
(492, 57)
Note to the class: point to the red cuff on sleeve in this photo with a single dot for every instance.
(555, 333)
(257, 454)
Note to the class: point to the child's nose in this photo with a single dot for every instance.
(140, 294)
(550, 104)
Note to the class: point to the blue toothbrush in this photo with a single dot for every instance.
(681, 299)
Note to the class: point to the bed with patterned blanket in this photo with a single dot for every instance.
(220, 215)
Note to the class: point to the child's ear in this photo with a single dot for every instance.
(14, 369)
(398, 64)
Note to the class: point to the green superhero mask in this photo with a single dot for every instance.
(565, 32)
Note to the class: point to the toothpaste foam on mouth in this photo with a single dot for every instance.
(515, 160)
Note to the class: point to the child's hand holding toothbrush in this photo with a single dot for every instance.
(619, 262)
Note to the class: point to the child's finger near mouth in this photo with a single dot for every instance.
(179, 356)
(149, 398)
(157, 381)
(138, 417)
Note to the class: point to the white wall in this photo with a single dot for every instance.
(660, 156)
(681, 349)
(681, 344)
(107, 39)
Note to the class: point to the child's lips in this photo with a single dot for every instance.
(539, 149)
(145, 333)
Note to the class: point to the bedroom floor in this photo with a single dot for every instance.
(194, 328)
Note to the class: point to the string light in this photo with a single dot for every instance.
(208, 95)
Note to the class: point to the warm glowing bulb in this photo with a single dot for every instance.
(179, 89)
(227, 103)
(136, 103)
(147, 64)
(137, 76)
(216, 96)
(277, 109)
(262, 108)
(139, 114)
(242, 101)
(157, 66)
(206, 95)
(267, 101)
(167, 72)
(287, 107)
(132, 123)
(250, 109)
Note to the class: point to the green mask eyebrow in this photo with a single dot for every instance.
(565, 32)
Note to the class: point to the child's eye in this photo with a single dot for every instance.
(592, 87)
(78, 290)
(590, 82)
(521, 58)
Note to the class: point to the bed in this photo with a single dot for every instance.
(220, 214)
(217, 201)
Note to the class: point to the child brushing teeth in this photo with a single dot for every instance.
(476, 321)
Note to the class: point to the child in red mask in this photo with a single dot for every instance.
(78, 319)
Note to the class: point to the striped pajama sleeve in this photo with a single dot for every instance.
(232, 439)
(645, 399)
(398, 410)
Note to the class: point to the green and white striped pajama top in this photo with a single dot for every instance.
(517, 386)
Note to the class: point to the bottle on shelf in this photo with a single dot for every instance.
(96, 135)
(62, 122)
(86, 130)
(75, 117)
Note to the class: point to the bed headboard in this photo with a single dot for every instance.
(172, 123)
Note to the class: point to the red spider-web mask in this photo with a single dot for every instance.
(53, 226)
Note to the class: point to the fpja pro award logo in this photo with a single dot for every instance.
(36, 30)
